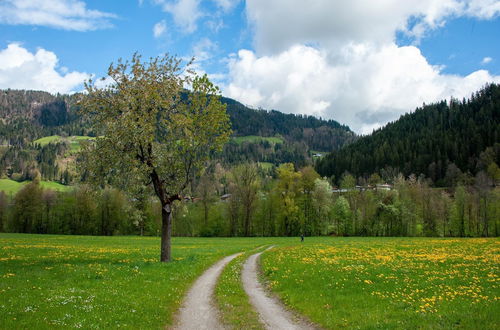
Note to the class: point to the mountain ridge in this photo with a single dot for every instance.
(434, 140)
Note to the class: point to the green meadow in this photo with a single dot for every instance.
(74, 141)
(390, 283)
(265, 165)
(51, 281)
(12, 187)
(256, 139)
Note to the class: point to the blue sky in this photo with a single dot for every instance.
(361, 63)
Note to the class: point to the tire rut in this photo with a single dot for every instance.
(198, 310)
(271, 312)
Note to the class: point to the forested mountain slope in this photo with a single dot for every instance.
(318, 134)
(26, 116)
(434, 140)
(36, 108)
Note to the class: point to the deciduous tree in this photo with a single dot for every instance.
(153, 132)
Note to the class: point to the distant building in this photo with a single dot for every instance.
(384, 186)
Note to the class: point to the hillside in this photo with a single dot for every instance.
(318, 134)
(11, 187)
(435, 140)
(32, 119)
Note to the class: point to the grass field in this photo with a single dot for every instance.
(389, 283)
(265, 165)
(74, 141)
(256, 138)
(51, 281)
(12, 187)
(47, 139)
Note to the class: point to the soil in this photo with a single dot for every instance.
(198, 310)
(271, 312)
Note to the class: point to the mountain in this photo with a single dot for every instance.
(259, 135)
(318, 134)
(435, 140)
(28, 115)
(302, 136)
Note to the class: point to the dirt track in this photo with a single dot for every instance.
(272, 314)
(198, 310)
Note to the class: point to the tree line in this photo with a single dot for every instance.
(248, 200)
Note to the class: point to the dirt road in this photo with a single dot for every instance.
(198, 310)
(272, 313)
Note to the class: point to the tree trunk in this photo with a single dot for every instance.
(247, 221)
(205, 212)
(166, 232)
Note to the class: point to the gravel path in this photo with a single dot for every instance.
(198, 310)
(271, 312)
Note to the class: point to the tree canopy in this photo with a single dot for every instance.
(152, 132)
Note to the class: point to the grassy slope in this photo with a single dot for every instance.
(265, 165)
(55, 186)
(12, 187)
(51, 281)
(74, 141)
(47, 139)
(388, 283)
(255, 138)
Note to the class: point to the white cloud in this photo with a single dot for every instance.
(485, 9)
(103, 82)
(159, 29)
(185, 13)
(203, 49)
(364, 87)
(215, 24)
(61, 14)
(226, 5)
(339, 60)
(21, 69)
(278, 24)
(486, 60)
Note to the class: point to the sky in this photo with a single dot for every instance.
(362, 63)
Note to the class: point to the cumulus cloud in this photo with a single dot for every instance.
(365, 87)
(278, 24)
(341, 61)
(159, 29)
(61, 14)
(486, 60)
(21, 69)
